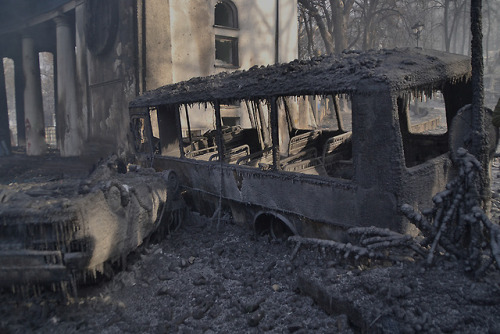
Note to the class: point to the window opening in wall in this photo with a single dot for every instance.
(155, 142)
(427, 115)
(226, 14)
(320, 112)
(345, 110)
(312, 140)
(323, 149)
(226, 39)
(230, 121)
(200, 136)
(319, 137)
(423, 127)
(230, 113)
(198, 132)
(8, 66)
(165, 131)
(46, 60)
(226, 51)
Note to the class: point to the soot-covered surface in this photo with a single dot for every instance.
(350, 72)
(197, 281)
(204, 280)
(57, 223)
(201, 280)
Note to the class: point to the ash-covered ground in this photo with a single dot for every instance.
(221, 278)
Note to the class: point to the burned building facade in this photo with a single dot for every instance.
(105, 53)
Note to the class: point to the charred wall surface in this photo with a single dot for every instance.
(111, 78)
(93, 44)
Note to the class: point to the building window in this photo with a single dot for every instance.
(226, 34)
(226, 14)
(226, 51)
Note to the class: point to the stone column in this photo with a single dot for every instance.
(33, 103)
(81, 68)
(19, 88)
(4, 115)
(70, 139)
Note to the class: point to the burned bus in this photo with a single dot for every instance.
(311, 147)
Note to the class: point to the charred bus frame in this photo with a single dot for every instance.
(387, 165)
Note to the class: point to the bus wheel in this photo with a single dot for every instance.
(277, 226)
(279, 230)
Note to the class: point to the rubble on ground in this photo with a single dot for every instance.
(207, 279)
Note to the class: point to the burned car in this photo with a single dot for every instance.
(311, 147)
(62, 230)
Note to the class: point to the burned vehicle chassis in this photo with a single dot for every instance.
(387, 164)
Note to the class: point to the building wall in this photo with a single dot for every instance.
(155, 42)
(177, 42)
(180, 37)
(111, 84)
(192, 39)
(158, 42)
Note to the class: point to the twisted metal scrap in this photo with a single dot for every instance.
(457, 223)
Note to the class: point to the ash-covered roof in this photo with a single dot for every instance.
(350, 72)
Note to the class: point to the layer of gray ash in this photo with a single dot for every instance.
(227, 279)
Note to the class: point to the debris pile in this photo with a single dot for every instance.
(457, 224)
(367, 243)
(456, 227)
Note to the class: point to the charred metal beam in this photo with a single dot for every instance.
(177, 112)
(218, 122)
(274, 133)
(188, 124)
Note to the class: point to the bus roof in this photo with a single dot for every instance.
(352, 72)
